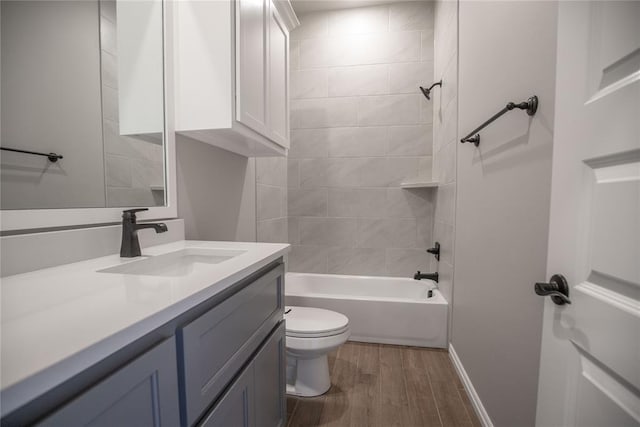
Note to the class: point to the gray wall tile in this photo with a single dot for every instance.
(356, 261)
(308, 259)
(359, 80)
(359, 129)
(308, 202)
(269, 202)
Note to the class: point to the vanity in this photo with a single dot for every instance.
(192, 333)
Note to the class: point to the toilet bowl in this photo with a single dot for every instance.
(311, 334)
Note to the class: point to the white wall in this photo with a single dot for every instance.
(216, 192)
(507, 53)
(360, 126)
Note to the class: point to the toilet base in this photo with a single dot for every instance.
(308, 377)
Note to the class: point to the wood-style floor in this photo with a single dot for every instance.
(375, 385)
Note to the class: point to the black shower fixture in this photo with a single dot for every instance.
(427, 92)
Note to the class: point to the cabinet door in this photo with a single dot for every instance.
(142, 393)
(251, 64)
(217, 344)
(278, 79)
(235, 407)
(270, 381)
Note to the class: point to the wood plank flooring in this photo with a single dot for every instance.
(375, 385)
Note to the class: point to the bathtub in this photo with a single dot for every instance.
(387, 310)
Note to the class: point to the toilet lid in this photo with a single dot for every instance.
(310, 322)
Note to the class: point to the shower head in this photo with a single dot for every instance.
(427, 92)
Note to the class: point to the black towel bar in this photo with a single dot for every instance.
(530, 105)
(53, 157)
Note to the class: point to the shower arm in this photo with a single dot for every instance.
(427, 92)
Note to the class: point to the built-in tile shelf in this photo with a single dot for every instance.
(419, 183)
(156, 187)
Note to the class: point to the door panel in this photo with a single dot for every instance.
(614, 54)
(235, 408)
(251, 64)
(142, 393)
(270, 381)
(589, 369)
(278, 79)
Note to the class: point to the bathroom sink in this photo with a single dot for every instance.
(174, 264)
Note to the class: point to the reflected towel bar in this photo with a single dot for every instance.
(53, 157)
(531, 105)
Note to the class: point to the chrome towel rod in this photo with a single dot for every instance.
(53, 157)
(530, 105)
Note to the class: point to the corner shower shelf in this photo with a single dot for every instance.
(419, 183)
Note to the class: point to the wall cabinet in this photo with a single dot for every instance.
(232, 74)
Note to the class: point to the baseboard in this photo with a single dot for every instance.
(471, 391)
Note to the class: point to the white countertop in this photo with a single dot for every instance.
(59, 321)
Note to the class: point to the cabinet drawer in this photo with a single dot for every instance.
(142, 393)
(216, 345)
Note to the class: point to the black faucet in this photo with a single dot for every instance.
(430, 276)
(130, 244)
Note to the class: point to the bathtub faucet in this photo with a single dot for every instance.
(429, 276)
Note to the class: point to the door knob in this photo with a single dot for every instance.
(557, 289)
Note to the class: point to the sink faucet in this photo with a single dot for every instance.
(430, 276)
(130, 244)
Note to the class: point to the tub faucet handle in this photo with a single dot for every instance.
(435, 250)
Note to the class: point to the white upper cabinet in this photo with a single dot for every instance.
(232, 73)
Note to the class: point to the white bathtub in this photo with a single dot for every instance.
(386, 310)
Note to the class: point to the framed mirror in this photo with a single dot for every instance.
(84, 130)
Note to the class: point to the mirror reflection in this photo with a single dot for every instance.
(83, 80)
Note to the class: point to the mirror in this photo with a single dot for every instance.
(83, 80)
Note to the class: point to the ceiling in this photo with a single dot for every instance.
(306, 6)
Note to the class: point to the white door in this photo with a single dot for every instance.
(590, 362)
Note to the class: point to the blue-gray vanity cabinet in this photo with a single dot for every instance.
(142, 393)
(256, 398)
(217, 344)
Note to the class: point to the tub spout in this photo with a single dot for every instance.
(429, 276)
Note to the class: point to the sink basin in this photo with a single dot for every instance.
(174, 264)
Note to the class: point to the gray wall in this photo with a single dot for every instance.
(51, 103)
(445, 125)
(359, 128)
(507, 53)
(216, 192)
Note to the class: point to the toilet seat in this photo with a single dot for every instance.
(308, 322)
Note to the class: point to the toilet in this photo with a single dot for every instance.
(311, 334)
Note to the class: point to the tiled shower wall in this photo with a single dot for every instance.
(133, 164)
(271, 200)
(360, 127)
(445, 140)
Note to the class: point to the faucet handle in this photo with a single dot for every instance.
(131, 213)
